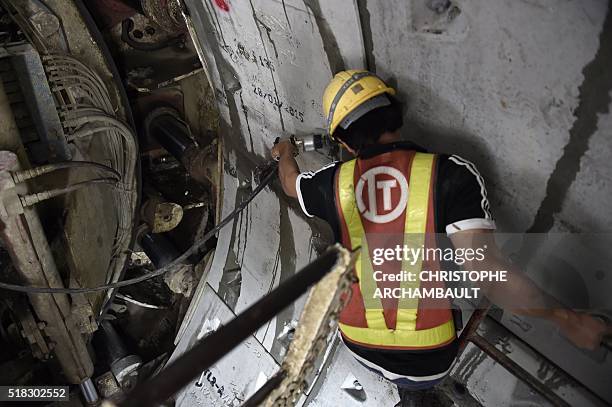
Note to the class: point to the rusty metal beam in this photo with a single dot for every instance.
(23, 237)
(470, 334)
(480, 313)
(514, 368)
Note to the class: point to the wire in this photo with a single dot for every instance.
(33, 199)
(195, 247)
(24, 175)
(81, 93)
(136, 302)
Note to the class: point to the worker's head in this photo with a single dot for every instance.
(360, 108)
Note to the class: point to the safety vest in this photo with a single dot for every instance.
(390, 194)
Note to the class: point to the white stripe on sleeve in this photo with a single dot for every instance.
(299, 191)
(470, 224)
(307, 175)
(484, 203)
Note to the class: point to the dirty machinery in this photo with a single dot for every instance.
(75, 214)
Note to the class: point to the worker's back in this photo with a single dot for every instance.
(383, 202)
(396, 195)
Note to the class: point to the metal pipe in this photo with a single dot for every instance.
(516, 370)
(479, 314)
(220, 342)
(469, 334)
(123, 365)
(89, 391)
(112, 343)
(33, 199)
(158, 248)
(24, 175)
(168, 130)
(166, 127)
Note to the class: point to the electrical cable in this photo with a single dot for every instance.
(136, 302)
(81, 93)
(196, 246)
(24, 175)
(33, 199)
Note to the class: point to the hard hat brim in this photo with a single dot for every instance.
(373, 95)
(364, 108)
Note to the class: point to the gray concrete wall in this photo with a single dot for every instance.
(519, 87)
(499, 82)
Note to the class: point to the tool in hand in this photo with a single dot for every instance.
(307, 143)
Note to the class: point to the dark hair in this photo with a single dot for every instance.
(366, 130)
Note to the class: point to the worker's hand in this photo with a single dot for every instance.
(583, 330)
(282, 148)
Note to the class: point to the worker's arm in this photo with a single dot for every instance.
(520, 295)
(288, 169)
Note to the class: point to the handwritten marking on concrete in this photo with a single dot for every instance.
(278, 103)
(240, 52)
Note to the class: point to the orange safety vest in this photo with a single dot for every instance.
(398, 187)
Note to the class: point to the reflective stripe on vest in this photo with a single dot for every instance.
(405, 334)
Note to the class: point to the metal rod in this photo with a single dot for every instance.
(171, 133)
(479, 314)
(469, 334)
(158, 248)
(516, 370)
(89, 391)
(220, 342)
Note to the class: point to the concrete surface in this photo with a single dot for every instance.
(522, 88)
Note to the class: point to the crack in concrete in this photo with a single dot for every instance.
(263, 45)
(286, 255)
(246, 118)
(213, 15)
(330, 44)
(366, 32)
(286, 16)
(594, 99)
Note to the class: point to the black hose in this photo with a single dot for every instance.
(194, 248)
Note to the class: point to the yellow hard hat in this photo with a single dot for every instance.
(352, 93)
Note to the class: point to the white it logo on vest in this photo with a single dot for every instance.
(386, 186)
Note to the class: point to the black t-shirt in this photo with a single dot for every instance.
(460, 204)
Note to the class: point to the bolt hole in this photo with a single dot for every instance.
(150, 30)
(137, 34)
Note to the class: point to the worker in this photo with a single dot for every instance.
(396, 187)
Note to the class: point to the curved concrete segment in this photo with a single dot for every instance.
(495, 81)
